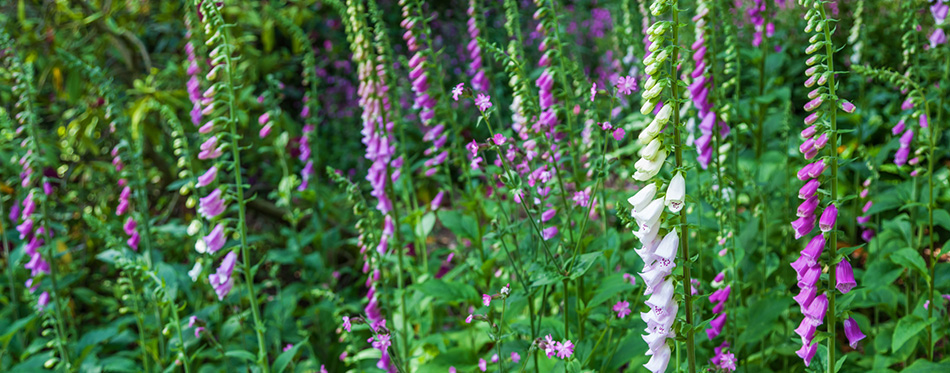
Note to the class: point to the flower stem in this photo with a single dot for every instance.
(684, 225)
(829, 50)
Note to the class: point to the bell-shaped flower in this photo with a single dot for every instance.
(813, 250)
(817, 309)
(208, 177)
(215, 240)
(828, 217)
(844, 275)
(716, 326)
(660, 359)
(650, 215)
(212, 205)
(643, 197)
(852, 332)
(221, 279)
(676, 193)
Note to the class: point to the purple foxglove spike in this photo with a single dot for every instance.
(800, 266)
(907, 138)
(852, 332)
(806, 331)
(804, 173)
(845, 277)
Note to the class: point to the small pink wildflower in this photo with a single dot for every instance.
(346, 323)
(457, 91)
(626, 85)
(486, 299)
(499, 139)
(548, 233)
(452, 370)
(482, 365)
(593, 92)
(565, 350)
(483, 102)
(549, 346)
(619, 133)
(515, 357)
(622, 309)
(494, 358)
(631, 278)
(288, 347)
(468, 320)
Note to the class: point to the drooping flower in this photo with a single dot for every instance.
(215, 240)
(221, 279)
(676, 193)
(211, 205)
(844, 276)
(852, 332)
(208, 177)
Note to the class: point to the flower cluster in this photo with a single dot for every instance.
(552, 348)
(425, 99)
(475, 69)
(380, 148)
(658, 254)
(821, 129)
(939, 10)
(701, 87)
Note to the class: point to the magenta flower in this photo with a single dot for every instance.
(468, 320)
(630, 278)
(482, 365)
(564, 350)
(210, 149)
(483, 102)
(457, 91)
(499, 138)
(346, 323)
(853, 332)
(215, 240)
(289, 346)
(622, 309)
(844, 276)
(807, 352)
(593, 92)
(486, 299)
(619, 133)
(828, 217)
(208, 177)
(515, 357)
(212, 205)
(626, 85)
(221, 280)
(42, 301)
(549, 233)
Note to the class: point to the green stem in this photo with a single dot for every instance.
(833, 149)
(684, 225)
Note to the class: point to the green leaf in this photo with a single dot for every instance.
(446, 292)
(461, 225)
(924, 366)
(15, 327)
(907, 328)
(611, 286)
(909, 258)
(545, 277)
(840, 362)
(583, 263)
(942, 218)
(241, 354)
(425, 225)
(285, 357)
(109, 256)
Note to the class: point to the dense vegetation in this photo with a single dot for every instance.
(474, 185)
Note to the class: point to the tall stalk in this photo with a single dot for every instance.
(833, 150)
(239, 185)
(684, 226)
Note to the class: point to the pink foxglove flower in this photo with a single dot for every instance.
(221, 279)
(208, 177)
(852, 332)
(211, 205)
(844, 275)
